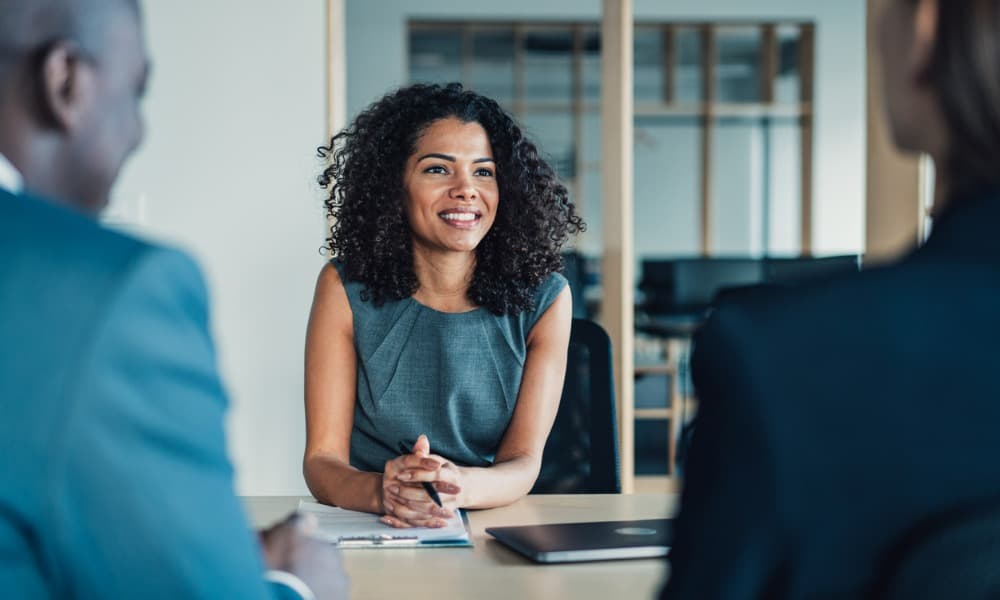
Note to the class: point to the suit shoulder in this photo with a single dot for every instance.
(60, 239)
(848, 298)
(168, 277)
(54, 252)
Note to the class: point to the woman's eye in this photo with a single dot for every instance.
(484, 172)
(435, 169)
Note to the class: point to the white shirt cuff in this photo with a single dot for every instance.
(290, 581)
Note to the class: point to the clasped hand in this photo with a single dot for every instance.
(404, 499)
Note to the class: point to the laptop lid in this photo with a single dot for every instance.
(576, 542)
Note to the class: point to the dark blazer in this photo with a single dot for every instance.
(114, 479)
(835, 416)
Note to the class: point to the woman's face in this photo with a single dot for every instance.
(451, 187)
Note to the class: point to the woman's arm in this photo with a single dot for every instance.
(519, 456)
(331, 391)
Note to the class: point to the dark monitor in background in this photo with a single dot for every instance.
(689, 286)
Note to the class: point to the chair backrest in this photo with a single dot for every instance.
(575, 272)
(581, 454)
(952, 555)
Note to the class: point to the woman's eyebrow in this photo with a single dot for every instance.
(446, 157)
(451, 158)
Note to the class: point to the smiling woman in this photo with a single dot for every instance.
(451, 198)
(442, 322)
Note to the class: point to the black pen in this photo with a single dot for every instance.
(428, 486)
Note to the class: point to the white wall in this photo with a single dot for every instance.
(376, 55)
(235, 113)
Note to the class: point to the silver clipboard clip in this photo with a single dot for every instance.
(378, 540)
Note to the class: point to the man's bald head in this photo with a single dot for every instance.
(71, 76)
(29, 25)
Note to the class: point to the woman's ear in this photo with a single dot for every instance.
(925, 35)
(66, 86)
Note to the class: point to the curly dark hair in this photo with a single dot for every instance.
(370, 234)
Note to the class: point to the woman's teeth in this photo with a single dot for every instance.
(459, 216)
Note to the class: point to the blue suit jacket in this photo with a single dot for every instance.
(114, 478)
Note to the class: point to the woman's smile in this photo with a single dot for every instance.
(461, 218)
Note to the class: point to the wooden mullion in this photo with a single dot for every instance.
(807, 41)
(768, 63)
(618, 261)
(577, 102)
(806, 82)
(708, 55)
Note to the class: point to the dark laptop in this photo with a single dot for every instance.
(576, 542)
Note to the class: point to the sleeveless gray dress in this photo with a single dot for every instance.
(452, 376)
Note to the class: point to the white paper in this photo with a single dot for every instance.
(336, 523)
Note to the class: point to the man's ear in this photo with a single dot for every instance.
(67, 85)
(925, 35)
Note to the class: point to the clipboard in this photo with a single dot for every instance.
(353, 529)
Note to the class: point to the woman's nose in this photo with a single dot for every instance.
(464, 188)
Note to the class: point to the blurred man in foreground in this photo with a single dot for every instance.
(114, 479)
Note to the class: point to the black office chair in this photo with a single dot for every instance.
(575, 272)
(581, 455)
(953, 555)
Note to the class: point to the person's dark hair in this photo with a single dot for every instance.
(370, 234)
(965, 73)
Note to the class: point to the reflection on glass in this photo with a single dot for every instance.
(737, 187)
(648, 61)
(667, 187)
(782, 144)
(548, 65)
(552, 132)
(493, 64)
(756, 186)
(737, 71)
(435, 55)
(589, 181)
(591, 65)
(786, 86)
(688, 78)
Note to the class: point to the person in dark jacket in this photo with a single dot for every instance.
(834, 417)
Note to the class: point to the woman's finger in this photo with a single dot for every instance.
(413, 461)
(394, 522)
(423, 506)
(422, 447)
(416, 518)
(447, 487)
(421, 475)
(410, 492)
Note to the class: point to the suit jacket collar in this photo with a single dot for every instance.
(970, 227)
(25, 201)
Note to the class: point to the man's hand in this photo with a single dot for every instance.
(288, 547)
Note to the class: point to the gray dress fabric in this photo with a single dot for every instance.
(452, 376)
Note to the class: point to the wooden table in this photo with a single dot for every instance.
(489, 569)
